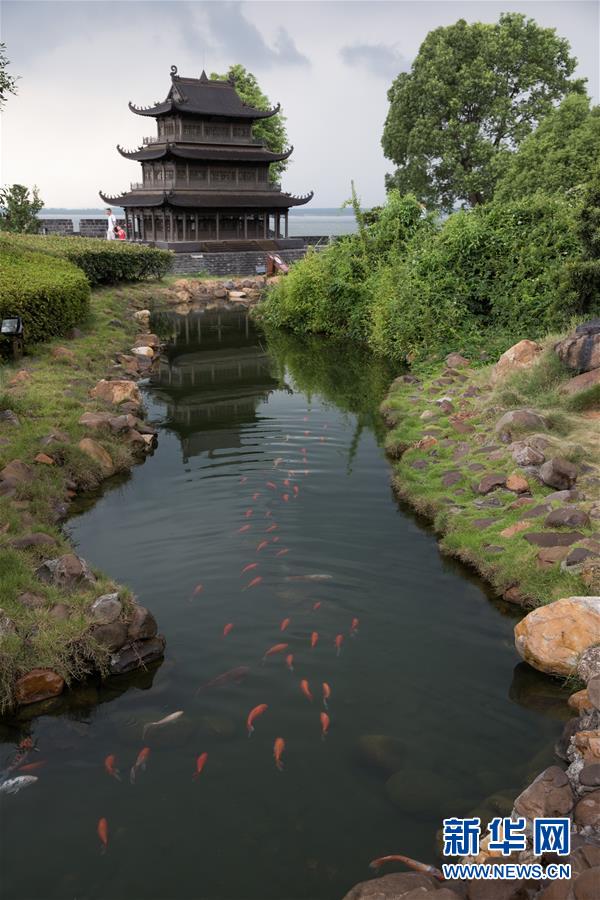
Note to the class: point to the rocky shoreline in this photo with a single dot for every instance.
(505, 482)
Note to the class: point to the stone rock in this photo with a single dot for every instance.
(147, 340)
(95, 419)
(117, 392)
(142, 625)
(520, 420)
(38, 684)
(484, 523)
(37, 539)
(590, 775)
(397, 886)
(590, 327)
(549, 556)
(524, 455)
(137, 654)
(491, 483)
(8, 417)
(558, 473)
(456, 361)
(17, 472)
(382, 752)
(576, 558)
(588, 664)
(7, 626)
(517, 483)
(562, 496)
(593, 689)
(429, 415)
(520, 356)
(66, 571)
(106, 609)
(111, 636)
(590, 574)
(553, 538)
(583, 382)
(146, 352)
(541, 509)
(31, 600)
(587, 812)
(570, 516)
(515, 595)
(553, 637)
(450, 478)
(60, 611)
(44, 460)
(514, 529)
(549, 795)
(580, 701)
(98, 454)
(580, 352)
(587, 743)
(142, 315)
(63, 353)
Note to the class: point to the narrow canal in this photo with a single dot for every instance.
(270, 467)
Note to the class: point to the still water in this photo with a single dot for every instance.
(246, 421)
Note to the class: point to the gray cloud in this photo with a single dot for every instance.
(380, 60)
(242, 41)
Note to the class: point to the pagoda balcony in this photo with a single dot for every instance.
(195, 185)
(200, 139)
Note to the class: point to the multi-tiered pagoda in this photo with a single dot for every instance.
(205, 177)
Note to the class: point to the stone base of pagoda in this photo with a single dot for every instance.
(227, 246)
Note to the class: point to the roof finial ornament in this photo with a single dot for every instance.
(173, 70)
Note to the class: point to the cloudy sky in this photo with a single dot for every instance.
(328, 63)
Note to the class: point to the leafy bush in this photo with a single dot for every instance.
(104, 262)
(50, 295)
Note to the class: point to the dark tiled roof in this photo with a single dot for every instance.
(229, 153)
(209, 199)
(203, 97)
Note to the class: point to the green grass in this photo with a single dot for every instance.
(52, 399)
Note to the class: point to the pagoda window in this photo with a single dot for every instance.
(241, 131)
(158, 173)
(198, 173)
(262, 175)
(181, 173)
(191, 130)
(216, 130)
(247, 175)
(223, 175)
(169, 173)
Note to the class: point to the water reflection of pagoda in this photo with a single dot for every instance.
(212, 375)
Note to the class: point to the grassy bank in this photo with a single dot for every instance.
(47, 392)
(441, 457)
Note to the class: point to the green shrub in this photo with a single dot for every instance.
(104, 262)
(51, 295)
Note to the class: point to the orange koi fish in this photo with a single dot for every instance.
(32, 767)
(317, 605)
(325, 720)
(354, 626)
(253, 583)
(275, 539)
(140, 763)
(276, 648)
(285, 497)
(262, 545)
(282, 552)
(200, 763)
(256, 495)
(296, 490)
(278, 748)
(243, 479)
(102, 830)
(306, 433)
(313, 639)
(305, 689)
(303, 450)
(248, 513)
(272, 485)
(198, 590)
(411, 863)
(277, 462)
(286, 482)
(111, 769)
(253, 714)
(227, 629)
(272, 527)
(244, 528)
(326, 693)
(339, 640)
(289, 661)
(268, 514)
(248, 568)
(284, 624)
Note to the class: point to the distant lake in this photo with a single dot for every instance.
(316, 221)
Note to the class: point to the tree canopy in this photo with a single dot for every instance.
(19, 209)
(474, 93)
(8, 83)
(272, 131)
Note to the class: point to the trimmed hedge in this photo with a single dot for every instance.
(104, 262)
(51, 295)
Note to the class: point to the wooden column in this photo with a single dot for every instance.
(217, 226)
(185, 226)
(171, 238)
(245, 226)
(187, 174)
(196, 226)
(164, 215)
(153, 226)
(142, 225)
(265, 218)
(287, 213)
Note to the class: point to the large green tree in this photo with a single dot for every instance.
(272, 130)
(474, 92)
(8, 83)
(19, 209)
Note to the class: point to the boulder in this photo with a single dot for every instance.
(117, 392)
(590, 775)
(587, 743)
(549, 556)
(111, 636)
(17, 472)
(66, 571)
(583, 382)
(553, 637)
(456, 361)
(8, 417)
(382, 752)
(31, 600)
(553, 538)
(95, 419)
(549, 795)
(580, 701)
(98, 454)
(36, 539)
(142, 625)
(137, 654)
(558, 473)
(147, 340)
(7, 626)
(517, 528)
(38, 684)
(593, 690)
(146, 352)
(491, 483)
(588, 664)
(63, 353)
(521, 420)
(43, 459)
(396, 886)
(524, 455)
(517, 483)
(520, 356)
(570, 516)
(142, 315)
(60, 611)
(106, 609)
(580, 352)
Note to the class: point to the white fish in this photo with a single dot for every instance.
(14, 785)
(166, 721)
(309, 577)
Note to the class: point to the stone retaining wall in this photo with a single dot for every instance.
(230, 263)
